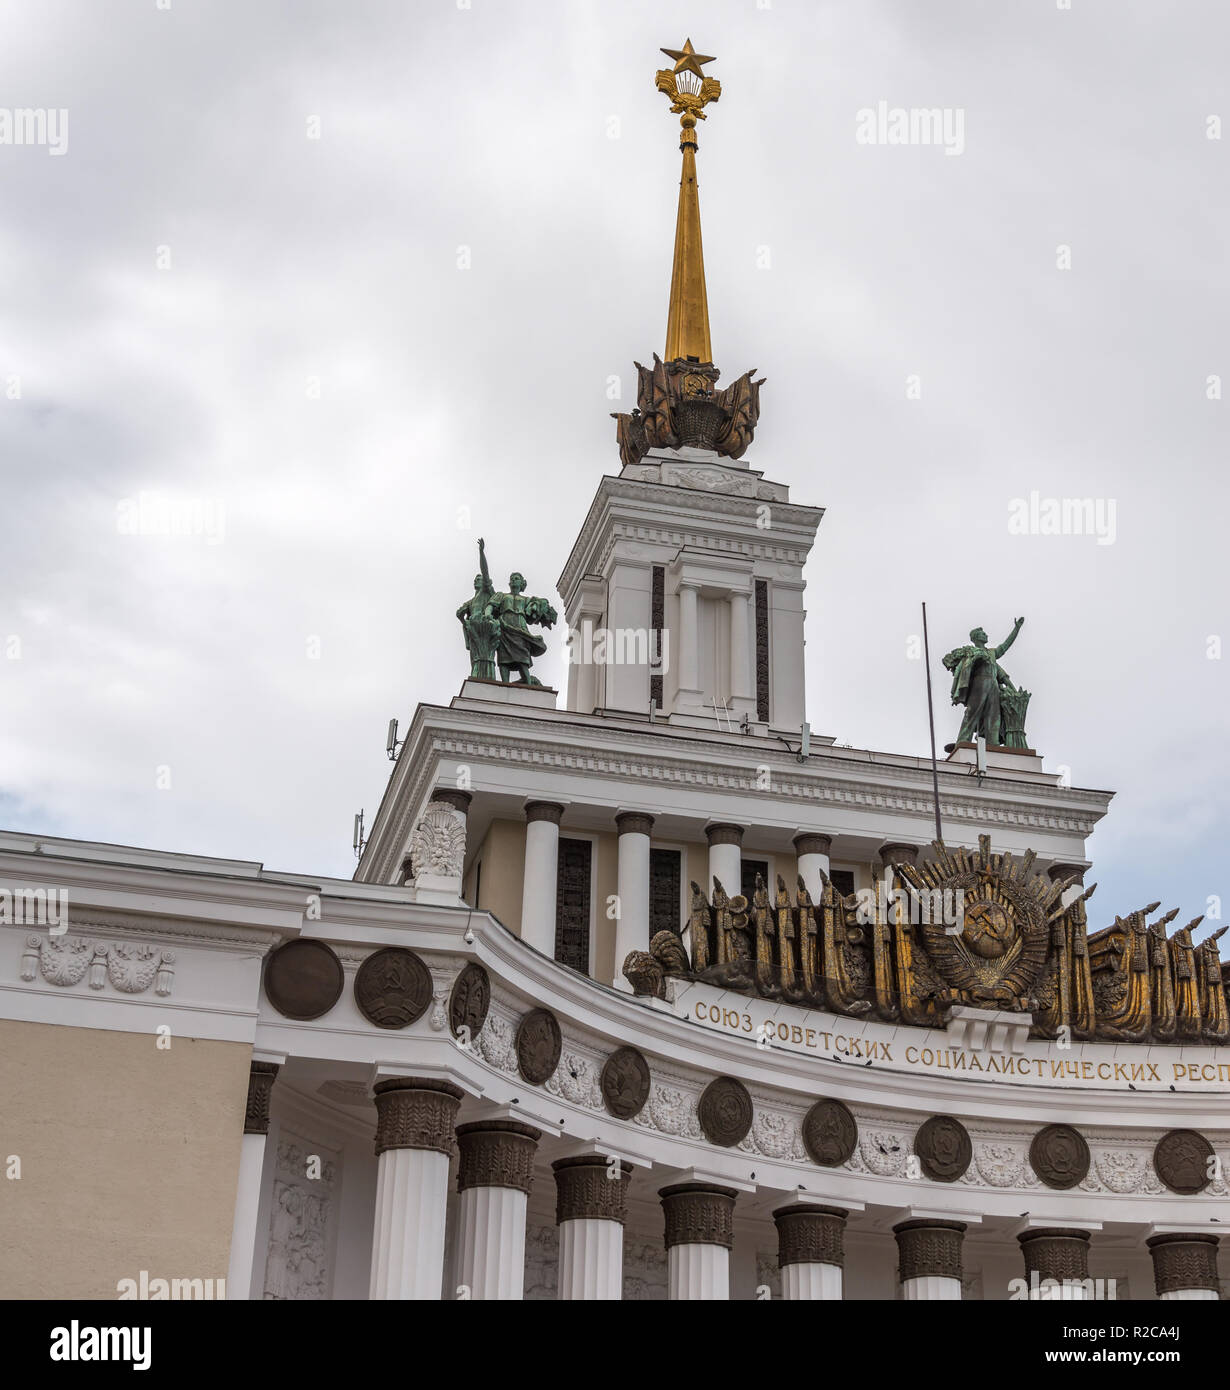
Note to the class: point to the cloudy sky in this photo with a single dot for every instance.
(330, 274)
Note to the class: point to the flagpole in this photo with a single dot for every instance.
(935, 776)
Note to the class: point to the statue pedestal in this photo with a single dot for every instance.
(444, 890)
(512, 693)
(988, 1030)
(998, 759)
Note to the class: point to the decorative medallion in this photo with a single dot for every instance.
(943, 1148)
(438, 845)
(1183, 1161)
(625, 1083)
(303, 979)
(830, 1133)
(1059, 1156)
(725, 1112)
(468, 1002)
(392, 988)
(539, 1043)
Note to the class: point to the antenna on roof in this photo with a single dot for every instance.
(359, 839)
(393, 743)
(935, 776)
(805, 742)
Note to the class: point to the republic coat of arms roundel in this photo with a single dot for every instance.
(985, 924)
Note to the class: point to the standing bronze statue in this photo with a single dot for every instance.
(994, 707)
(496, 627)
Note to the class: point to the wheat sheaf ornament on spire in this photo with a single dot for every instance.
(678, 403)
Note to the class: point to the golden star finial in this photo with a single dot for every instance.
(687, 59)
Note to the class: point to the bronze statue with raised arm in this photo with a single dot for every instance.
(994, 707)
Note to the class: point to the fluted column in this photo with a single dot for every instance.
(1184, 1266)
(813, 851)
(725, 857)
(414, 1142)
(542, 820)
(699, 1234)
(632, 924)
(261, 1076)
(1056, 1262)
(690, 692)
(742, 691)
(810, 1251)
(929, 1255)
(591, 1206)
(494, 1177)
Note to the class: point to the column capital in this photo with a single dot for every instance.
(698, 1214)
(261, 1076)
(1059, 871)
(895, 852)
(634, 823)
(543, 810)
(810, 1235)
(416, 1112)
(723, 833)
(497, 1153)
(929, 1248)
(1056, 1252)
(451, 796)
(811, 842)
(1184, 1261)
(585, 1191)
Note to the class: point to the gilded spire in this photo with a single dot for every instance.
(687, 323)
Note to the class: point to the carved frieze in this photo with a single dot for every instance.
(297, 1266)
(67, 960)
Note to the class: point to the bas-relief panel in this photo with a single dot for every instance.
(301, 1221)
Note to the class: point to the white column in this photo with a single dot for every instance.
(627, 666)
(742, 691)
(261, 1077)
(632, 924)
(494, 1177)
(414, 1140)
(725, 857)
(929, 1258)
(1184, 1266)
(810, 1250)
(591, 1207)
(542, 820)
(699, 1234)
(813, 852)
(688, 643)
(931, 1286)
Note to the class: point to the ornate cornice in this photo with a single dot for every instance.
(578, 747)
